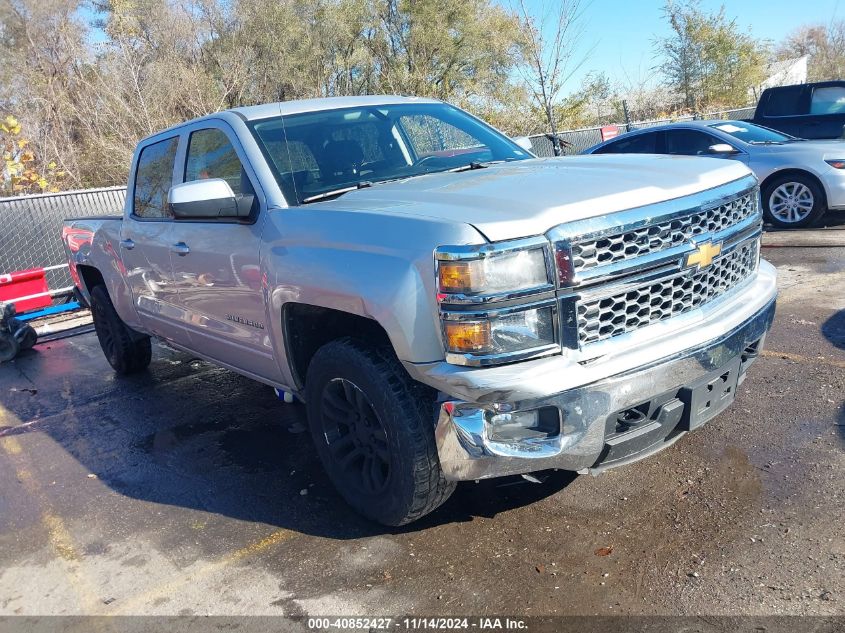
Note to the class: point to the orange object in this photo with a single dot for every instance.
(468, 336)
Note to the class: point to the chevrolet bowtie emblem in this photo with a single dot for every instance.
(704, 254)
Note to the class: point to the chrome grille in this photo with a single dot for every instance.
(663, 235)
(605, 317)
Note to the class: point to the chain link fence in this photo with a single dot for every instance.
(32, 227)
(576, 141)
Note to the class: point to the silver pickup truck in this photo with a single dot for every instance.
(447, 306)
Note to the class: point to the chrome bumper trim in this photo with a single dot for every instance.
(466, 452)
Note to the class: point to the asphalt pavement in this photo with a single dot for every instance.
(191, 490)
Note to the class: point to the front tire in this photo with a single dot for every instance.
(127, 351)
(793, 201)
(373, 429)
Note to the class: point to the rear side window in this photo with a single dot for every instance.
(211, 155)
(688, 142)
(784, 101)
(829, 100)
(639, 144)
(153, 179)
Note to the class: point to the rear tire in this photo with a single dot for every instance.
(373, 428)
(793, 201)
(127, 351)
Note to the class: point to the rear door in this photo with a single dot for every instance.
(145, 240)
(216, 262)
(827, 112)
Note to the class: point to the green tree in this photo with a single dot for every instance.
(708, 58)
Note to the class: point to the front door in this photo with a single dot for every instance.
(145, 241)
(217, 266)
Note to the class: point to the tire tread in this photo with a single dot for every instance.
(430, 488)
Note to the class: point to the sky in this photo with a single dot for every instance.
(619, 34)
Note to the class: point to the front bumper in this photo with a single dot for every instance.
(590, 435)
(834, 185)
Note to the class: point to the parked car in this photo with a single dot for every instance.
(812, 111)
(447, 306)
(800, 180)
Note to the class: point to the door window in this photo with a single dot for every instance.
(211, 155)
(784, 101)
(153, 179)
(829, 100)
(688, 142)
(638, 144)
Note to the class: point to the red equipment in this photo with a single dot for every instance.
(27, 289)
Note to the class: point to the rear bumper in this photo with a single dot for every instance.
(665, 392)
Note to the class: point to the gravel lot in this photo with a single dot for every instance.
(191, 490)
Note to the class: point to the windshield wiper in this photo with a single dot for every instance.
(477, 164)
(334, 193)
(766, 142)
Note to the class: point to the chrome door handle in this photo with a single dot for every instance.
(127, 244)
(180, 248)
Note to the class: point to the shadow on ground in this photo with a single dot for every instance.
(191, 435)
(834, 331)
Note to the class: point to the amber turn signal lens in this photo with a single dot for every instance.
(459, 276)
(468, 336)
(837, 164)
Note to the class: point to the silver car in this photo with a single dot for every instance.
(799, 179)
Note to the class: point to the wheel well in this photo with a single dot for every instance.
(307, 328)
(794, 172)
(90, 276)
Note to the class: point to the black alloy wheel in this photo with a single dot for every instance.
(355, 436)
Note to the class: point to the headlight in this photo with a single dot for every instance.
(473, 282)
(513, 333)
(492, 273)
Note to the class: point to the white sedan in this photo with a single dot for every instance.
(799, 179)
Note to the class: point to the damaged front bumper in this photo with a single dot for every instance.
(610, 421)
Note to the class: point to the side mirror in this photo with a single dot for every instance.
(524, 142)
(211, 198)
(722, 148)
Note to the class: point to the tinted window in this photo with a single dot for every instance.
(784, 101)
(153, 179)
(688, 142)
(638, 144)
(211, 155)
(830, 100)
(316, 153)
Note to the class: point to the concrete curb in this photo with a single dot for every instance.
(810, 238)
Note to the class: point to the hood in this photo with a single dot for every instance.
(818, 147)
(525, 198)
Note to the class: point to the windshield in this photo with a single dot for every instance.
(315, 155)
(751, 133)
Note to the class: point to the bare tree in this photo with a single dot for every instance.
(550, 53)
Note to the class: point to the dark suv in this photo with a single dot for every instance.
(814, 110)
